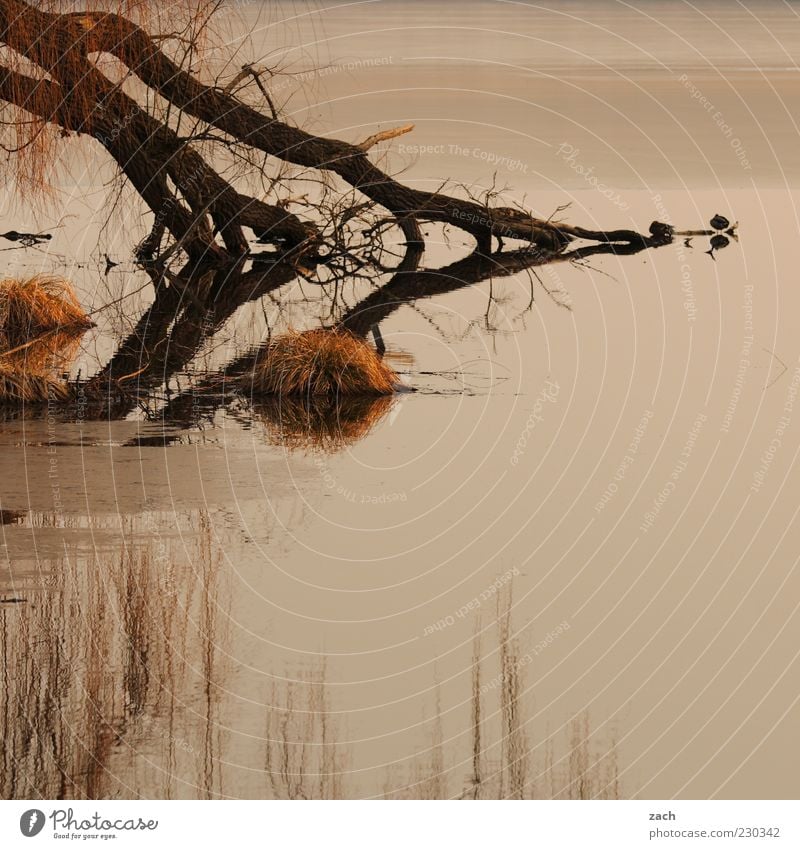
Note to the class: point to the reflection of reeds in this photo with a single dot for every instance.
(302, 759)
(41, 323)
(19, 385)
(476, 778)
(113, 682)
(325, 424)
(580, 773)
(513, 776)
(588, 776)
(430, 776)
(503, 763)
(320, 362)
(92, 678)
(50, 352)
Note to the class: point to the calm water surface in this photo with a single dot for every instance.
(566, 566)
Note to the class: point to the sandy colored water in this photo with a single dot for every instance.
(598, 503)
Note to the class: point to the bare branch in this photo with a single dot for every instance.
(384, 135)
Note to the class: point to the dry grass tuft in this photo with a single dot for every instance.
(320, 363)
(41, 304)
(41, 323)
(320, 423)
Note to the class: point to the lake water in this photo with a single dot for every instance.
(565, 566)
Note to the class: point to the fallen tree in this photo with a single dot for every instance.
(52, 74)
(192, 150)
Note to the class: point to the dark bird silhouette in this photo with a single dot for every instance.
(27, 239)
(720, 222)
(110, 264)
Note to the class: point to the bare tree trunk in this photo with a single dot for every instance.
(79, 97)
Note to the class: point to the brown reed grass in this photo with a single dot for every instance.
(41, 323)
(40, 304)
(320, 363)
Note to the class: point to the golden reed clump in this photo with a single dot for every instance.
(40, 304)
(41, 323)
(332, 363)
